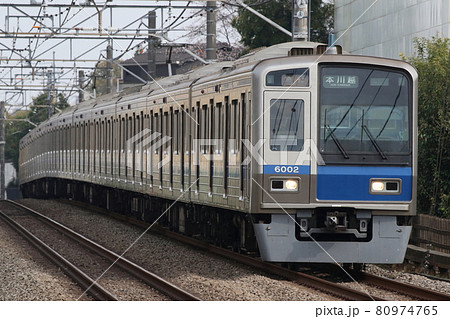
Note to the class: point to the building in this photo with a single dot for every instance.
(178, 61)
(388, 28)
(11, 182)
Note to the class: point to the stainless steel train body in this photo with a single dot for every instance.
(312, 154)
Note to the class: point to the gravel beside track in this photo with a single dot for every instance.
(413, 279)
(25, 275)
(209, 277)
(115, 280)
(374, 291)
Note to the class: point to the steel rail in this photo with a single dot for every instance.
(298, 277)
(96, 290)
(305, 279)
(403, 288)
(146, 276)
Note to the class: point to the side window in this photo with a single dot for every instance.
(176, 135)
(289, 77)
(157, 129)
(205, 127)
(234, 125)
(219, 127)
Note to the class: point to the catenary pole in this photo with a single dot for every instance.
(211, 45)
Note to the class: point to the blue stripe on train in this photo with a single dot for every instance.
(352, 182)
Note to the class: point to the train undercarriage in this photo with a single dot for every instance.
(278, 238)
(223, 228)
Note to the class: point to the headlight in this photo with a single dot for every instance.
(279, 185)
(385, 186)
(377, 186)
(291, 185)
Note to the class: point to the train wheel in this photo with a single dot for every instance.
(357, 267)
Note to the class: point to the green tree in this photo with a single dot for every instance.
(256, 33)
(99, 78)
(14, 131)
(18, 127)
(432, 62)
(322, 20)
(39, 110)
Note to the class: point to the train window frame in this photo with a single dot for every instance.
(157, 129)
(204, 127)
(198, 132)
(176, 133)
(212, 126)
(290, 77)
(170, 145)
(166, 128)
(299, 136)
(234, 119)
(103, 145)
(183, 126)
(83, 144)
(219, 126)
(145, 153)
(122, 129)
(136, 146)
(389, 155)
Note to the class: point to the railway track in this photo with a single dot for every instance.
(9, 209)
(418, 293)
(325, 286)
(303, 279)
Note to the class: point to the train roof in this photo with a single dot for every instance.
(183, 81)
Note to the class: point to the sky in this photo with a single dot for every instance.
(27, 63)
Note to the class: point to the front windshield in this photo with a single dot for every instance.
(364, 111)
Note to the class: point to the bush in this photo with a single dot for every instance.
(432, 62)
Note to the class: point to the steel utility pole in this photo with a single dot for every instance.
(109, 69)
(80, 86)
(211, 45)
(50, 92)
(52, 95)
(300, 19)
(152, 44)
(2, 150)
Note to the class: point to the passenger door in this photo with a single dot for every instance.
(286, 153)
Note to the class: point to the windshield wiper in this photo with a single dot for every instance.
(377, 147)
(336, 141)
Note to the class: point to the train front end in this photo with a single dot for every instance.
(335, 180)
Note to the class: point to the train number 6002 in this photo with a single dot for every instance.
(287, 169)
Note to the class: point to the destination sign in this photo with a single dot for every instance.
(340, 81)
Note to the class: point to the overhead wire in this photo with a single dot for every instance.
(39, 41)
(37, 45)
(129, 45)
(33, 55)
(68, 11)
(180, 15)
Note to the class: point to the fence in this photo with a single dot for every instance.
(431, 232)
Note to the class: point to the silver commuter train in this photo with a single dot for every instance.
(310, 157)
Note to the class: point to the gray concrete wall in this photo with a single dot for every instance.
(10, 173)
(388, 28)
